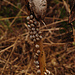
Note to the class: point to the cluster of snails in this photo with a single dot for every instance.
(33, 25)
(35, 35)
(36, 56)
(36, 62)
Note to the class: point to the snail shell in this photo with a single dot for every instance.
(39, 8)
(36, 62)
(35, 57)
(48, 72)
(37, 46)
(38, 51)
(37, 66)
(28, 18)
(37, 39)
(45, 73)
(40, 37)
(31, 16)
(38, 72)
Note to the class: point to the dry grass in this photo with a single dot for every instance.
(16, 50)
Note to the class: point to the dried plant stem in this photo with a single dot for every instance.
(74, 34)
(41, 58)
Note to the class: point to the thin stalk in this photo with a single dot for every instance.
(41, 58)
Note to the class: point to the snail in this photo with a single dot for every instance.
(38, 72)
(37, 46)
(38, 7)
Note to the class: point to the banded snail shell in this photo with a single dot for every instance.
(31, 16)
(37, 39)
(31, 36)
(28, 18)
(45, 73)
(35, 57)
(40, 37)
(34, 40)
(38, 72)
(31, 21)
(33, 29)
(36, 62)
(38, 51)
(48, 72)
(37, 66)
(37, 46)
(29, 26)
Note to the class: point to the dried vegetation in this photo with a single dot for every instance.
(16, 50)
